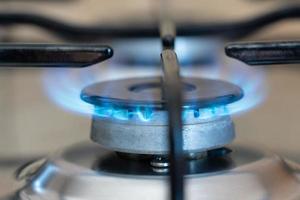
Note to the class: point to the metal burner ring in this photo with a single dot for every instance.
(153, 139)
(118, 125)
(146, 92)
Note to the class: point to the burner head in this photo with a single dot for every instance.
(131, 116)
(146, 93)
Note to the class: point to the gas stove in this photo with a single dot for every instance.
(162, 135)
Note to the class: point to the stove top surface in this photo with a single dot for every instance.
(28, 116)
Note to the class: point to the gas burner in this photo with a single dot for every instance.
(130, 114)
(153, 128)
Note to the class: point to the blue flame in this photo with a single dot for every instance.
(251, 80)
(64, 87)
(146, 114)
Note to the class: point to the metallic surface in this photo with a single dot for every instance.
(265, 53)
(160, 162)
(135, 92)
(147, 138)
(172, 93)
(114, 164)
(167, 30)
(52, 55)
(73, 174)
(77, 32)
(144, 51)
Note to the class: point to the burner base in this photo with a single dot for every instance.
(144, 138)
(80, 173)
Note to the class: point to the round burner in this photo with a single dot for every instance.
(146, 92)
(130, 115)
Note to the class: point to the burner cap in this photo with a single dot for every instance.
(146, 92)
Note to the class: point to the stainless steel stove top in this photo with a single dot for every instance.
(32, 125)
